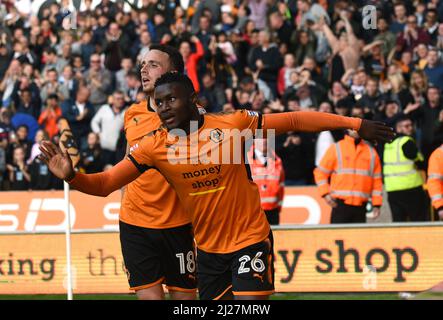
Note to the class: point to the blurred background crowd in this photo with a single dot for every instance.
(264, 55)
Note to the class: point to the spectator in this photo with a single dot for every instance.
(284, 74)
(191, 59)
(107, 123)
(35, 151)
(205, 32)
(68, 84)
(258, 13)
(371, 99)
(280, 27)
(304, 44)
(19, 138)
(265, 61)
(213, 95)
(427, 116)
(434, 69)
(411, 36)
(396, 89)
(374, 60)
(25, 104)
(7, 85)
(115, 47)
(99, 82)
(388, 113)
(19, 176)
(42, 178)
(385, 36)
(439, 40)
(91, 156)
(141, 46)
(133, 85)
(309, 11)
(79, 113)
(49, 117)
(52, 86)
(345, 49)
(399, 22)
(421, 52)
(5, 58)
(120, 76)
(85, 47)
(431, 25)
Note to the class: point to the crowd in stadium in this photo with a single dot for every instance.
(263, 55)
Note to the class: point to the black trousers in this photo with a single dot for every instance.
(409, 205)
(273, 216)
(345, 213)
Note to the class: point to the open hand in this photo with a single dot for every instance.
(376, 212)
(376, 131)
(58, 162)
(330, 201)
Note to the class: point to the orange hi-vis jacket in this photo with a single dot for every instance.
(270, 180)
(435, 177)
(354, 172)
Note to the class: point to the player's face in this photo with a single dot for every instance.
(153, 65)
(174, 105)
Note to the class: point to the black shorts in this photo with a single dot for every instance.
(154, 256)
(248, 271)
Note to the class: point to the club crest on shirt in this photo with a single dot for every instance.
(216, 135)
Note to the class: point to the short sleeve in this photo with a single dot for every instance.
(141, 153)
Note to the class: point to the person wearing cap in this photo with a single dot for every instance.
(402, 162)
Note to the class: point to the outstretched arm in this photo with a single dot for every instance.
(97, 184)
(311, 121)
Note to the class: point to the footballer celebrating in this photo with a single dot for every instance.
(233, 237)
(155, 231)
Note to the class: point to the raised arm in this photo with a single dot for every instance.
(353, 40)
(332, 39)
(311, 121)
(97, 184)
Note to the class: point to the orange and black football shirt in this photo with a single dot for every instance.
(149, 201)
(222, 199)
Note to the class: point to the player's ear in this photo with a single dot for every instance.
(193, 98)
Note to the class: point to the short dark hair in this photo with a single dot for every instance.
(132, 74)
(52, 96)
(402, 118)
(175, 77)
(175, 56)
(22, 126)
